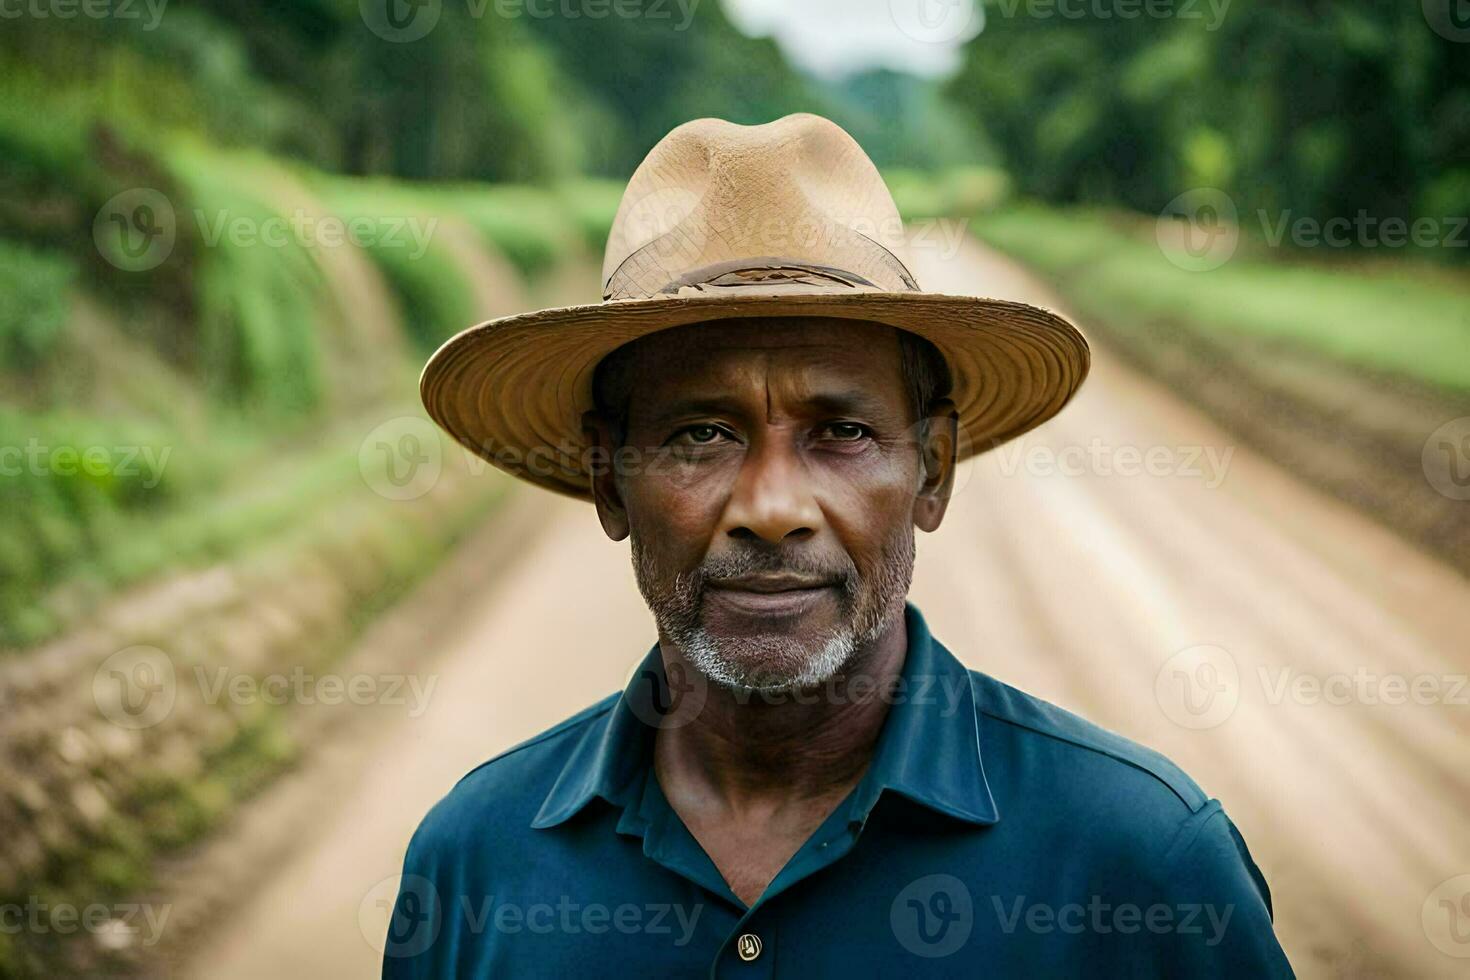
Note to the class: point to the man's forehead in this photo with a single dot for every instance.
(815, 361)
(832, 365)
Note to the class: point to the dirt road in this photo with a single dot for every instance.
(1209, 606)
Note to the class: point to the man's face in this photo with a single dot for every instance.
(771, 480)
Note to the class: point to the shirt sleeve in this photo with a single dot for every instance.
(421, 939)
(1220, 905)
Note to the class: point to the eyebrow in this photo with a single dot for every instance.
(825, 403)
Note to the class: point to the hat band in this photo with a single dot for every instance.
(766, 271)
(643, 276)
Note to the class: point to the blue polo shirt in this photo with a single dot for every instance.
(994, 834)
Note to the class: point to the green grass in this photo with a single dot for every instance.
(398, 222)
(249, 325)
(951, 193)
(35, 289)
(1401, 319)
(257, 304)
(529, 225)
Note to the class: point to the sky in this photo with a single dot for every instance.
(833, 38)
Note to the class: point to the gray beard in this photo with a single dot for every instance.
(775, 663)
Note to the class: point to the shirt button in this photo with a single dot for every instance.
(748, 946)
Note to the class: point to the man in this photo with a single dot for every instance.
(799, 780)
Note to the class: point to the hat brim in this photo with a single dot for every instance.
(513, 390)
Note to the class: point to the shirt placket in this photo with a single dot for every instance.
(752, 948)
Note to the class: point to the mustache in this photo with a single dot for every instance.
(751, 561)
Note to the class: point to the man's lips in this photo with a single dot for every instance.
(767, 583)
(770, 595)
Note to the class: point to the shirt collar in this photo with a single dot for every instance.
(928, 751)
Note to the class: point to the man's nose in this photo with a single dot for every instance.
(773, 496)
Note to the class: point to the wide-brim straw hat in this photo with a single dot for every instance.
(721, 221)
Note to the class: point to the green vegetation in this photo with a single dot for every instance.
(180, 374)
(1320, 109)
(33, 290)
(1394, 319)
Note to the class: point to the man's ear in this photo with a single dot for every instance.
(597, 429)
(938, 457)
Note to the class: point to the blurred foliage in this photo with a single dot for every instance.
(1322, 108)
(1397, 320)
(34, 290)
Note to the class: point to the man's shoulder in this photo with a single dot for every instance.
(1072, 758)
(504, 793)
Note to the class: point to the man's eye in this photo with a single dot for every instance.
(700, 435)
(846, 431)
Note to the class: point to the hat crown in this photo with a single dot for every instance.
(794, 203)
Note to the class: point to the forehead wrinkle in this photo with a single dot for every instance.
(809, 389)
(718, 366)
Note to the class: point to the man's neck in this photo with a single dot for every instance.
(747, 751)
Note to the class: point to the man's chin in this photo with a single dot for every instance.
(769, 663)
